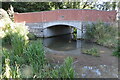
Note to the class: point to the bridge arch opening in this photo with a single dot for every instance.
(57, 30)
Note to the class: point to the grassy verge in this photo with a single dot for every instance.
(27, 60)
(105, 35)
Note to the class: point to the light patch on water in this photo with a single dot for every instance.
(99, 71)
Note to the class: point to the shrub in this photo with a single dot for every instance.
(6, 39)
(11, 28)
(102, 34)
(116, 52)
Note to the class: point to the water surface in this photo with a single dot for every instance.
(86, 66)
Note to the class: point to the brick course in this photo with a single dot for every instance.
(66, 15)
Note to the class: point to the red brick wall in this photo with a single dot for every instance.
(67, 15)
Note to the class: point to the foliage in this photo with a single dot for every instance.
(19, 39)
(46, 6)
(92, 51)
(65, 70)
(102, 34)
(35, 68)
(27, 60)
(7, 34)
(18, 44)
(9, 71)
(31, 36)
(11, 29)
(116, 51)
(105, 35)
(32, 63)
(34, 55)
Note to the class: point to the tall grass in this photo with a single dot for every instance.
(9, 70)
(35, 65)
(18, 44)
(66, 70)
(102, 34)
(35, 56)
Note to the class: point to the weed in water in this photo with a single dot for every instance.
(92, 51)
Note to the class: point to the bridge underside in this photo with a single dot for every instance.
(57, 30)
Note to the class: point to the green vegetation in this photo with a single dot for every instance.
(34, 55)
(45, 6)
(102, 34)
(92, 51)
(64, 71)
(10, 31)
(31, 36)
(116, 52)
(27, 58)
(33, 65)
(67, 69)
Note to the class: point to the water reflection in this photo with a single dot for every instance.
(61, 43)
(86, 66)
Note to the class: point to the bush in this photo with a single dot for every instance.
(102, 34)
(116, 52)
(6, 39)
(11, 28)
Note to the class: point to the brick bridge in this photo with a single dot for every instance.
(58, 22)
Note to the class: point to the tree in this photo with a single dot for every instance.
(46, 6)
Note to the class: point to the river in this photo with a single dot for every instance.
(86, 66)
